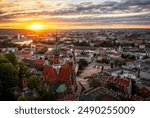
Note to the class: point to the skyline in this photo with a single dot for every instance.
(74, 14)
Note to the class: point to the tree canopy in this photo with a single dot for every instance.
(11, 57)
(82, 63)
(3, 59)
(23, 68)
(34, 82)
(8, 79)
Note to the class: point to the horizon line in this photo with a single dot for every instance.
(70, 29)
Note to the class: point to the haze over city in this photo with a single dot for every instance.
(74, 14)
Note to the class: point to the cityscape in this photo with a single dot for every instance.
(68, 50)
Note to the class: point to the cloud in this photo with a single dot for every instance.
(134, 4)
(85, 13)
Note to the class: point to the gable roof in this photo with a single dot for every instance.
(50, 73)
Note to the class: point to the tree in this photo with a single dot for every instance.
(47, 96)
(127, 56)
(50, 60)
(28, 98)
(22, 98)
(132, 57)
(8, 79)
(145, 57)
(43, 50)
(104, 44)
(82, 63)
(81, 43)
(95, 83)
(105, 60)
(3, 59)
(34, 82)
(112, 86)
(83, 53)
(124, 56)
(119, 63)
(112, 65)
(11, 57)
(134, 87)
(23, 68)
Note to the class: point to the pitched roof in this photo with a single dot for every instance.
(117, 80)
(51, 73)
(143, 91)
(65, 71)
(38, 62)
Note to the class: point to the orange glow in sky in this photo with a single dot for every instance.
(39, 15)
(36, 26)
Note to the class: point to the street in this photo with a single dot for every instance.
(91, 69)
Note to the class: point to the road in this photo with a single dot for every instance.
(89, 71)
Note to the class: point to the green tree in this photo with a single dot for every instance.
(34, 82)
(3, 59)
(112, 86)
(50, 60)
(82, 63)
(43, 50)
(103, 60)
(83, 53)
(134, 87)
(119, 63)
(8, 79)
(95, 83)
(23, 68)
(22, 98)
(11, 57)
(47, 96)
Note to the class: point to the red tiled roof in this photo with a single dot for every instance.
(122, 81)
(143, 91)
(24, 54)
(64, 73)
(49, 73)
(131, 37)
(38, 62)
(117, 80)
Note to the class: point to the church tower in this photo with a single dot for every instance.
(56, 58)
(60, 77)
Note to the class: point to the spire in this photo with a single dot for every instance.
(56, 52)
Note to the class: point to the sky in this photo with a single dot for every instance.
(74, 14)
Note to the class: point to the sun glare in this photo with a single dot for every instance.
(36, 26)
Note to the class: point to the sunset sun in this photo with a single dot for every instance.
(36, 26)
